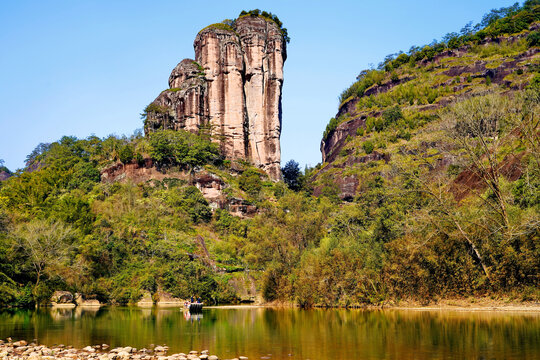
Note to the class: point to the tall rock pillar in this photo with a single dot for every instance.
(234, 86)
(264, 55)
(219, 53)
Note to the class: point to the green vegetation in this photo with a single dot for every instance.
(267, 16)
(153, 108)
(533, 39)
(448, 206)
(182, 148)
(364, 81)
(332, 125)
(292, 175)
(406, 234)
(230, 25)
(496, 23)
(424, 118)
(368, 147)
(220, 26)
(3, 168)
(60, 228)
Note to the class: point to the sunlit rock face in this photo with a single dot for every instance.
(233, 88)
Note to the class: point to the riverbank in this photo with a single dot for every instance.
(21, 350)
(470, 304)
(455, 304)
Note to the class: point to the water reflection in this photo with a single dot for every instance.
(192, 317)
(288, 333)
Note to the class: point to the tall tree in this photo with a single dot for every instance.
(291, 175)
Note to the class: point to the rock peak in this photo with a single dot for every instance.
(233, 87)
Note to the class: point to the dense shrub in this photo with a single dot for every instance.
(250, 182)
(533, 39)
(332, 125)
(392, 115)
(368, 147)
(182, 148)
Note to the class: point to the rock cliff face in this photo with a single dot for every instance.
(233, 88)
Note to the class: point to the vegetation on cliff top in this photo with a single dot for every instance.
(230, 25)
(225, 25)
(268, 16)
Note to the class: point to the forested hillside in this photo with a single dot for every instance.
(429, 189)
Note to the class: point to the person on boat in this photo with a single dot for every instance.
(198, 300)
(192, 299)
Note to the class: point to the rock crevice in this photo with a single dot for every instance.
(233, 88)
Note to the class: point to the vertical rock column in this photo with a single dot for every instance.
(182, 106)
(235, 85)
(264, 55)
(218, 51)
(188, 95)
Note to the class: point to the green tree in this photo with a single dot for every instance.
(292, 176)
(169, 148)
(47, 245)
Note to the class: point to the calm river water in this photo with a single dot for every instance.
(289, 333)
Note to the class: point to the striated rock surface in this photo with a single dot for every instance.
(232, 89)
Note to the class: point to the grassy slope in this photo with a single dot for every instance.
(422, 99)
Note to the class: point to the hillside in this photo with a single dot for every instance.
(428, 190)
(387, 107)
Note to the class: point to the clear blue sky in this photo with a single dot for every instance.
(90, 67)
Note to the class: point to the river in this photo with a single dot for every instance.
(270, 333)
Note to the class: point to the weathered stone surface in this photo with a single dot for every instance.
(234, 88)
(211, 186)
(137, 173)
(146, 300)
(87, 300)
(265, 54)
(166, 299)
(62, 297)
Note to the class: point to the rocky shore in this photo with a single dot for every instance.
(21, 350)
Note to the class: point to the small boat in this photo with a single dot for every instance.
(195, 307)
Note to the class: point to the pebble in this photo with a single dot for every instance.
(21, 350)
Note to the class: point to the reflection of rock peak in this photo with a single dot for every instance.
(235, 87)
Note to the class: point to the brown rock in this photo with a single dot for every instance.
(4, 175)
(166, 299)
(87, 300)
(62, 297)
(234, 87)
(146, 300)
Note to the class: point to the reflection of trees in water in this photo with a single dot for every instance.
(311, 334)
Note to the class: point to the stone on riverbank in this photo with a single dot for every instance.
(21, 350)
